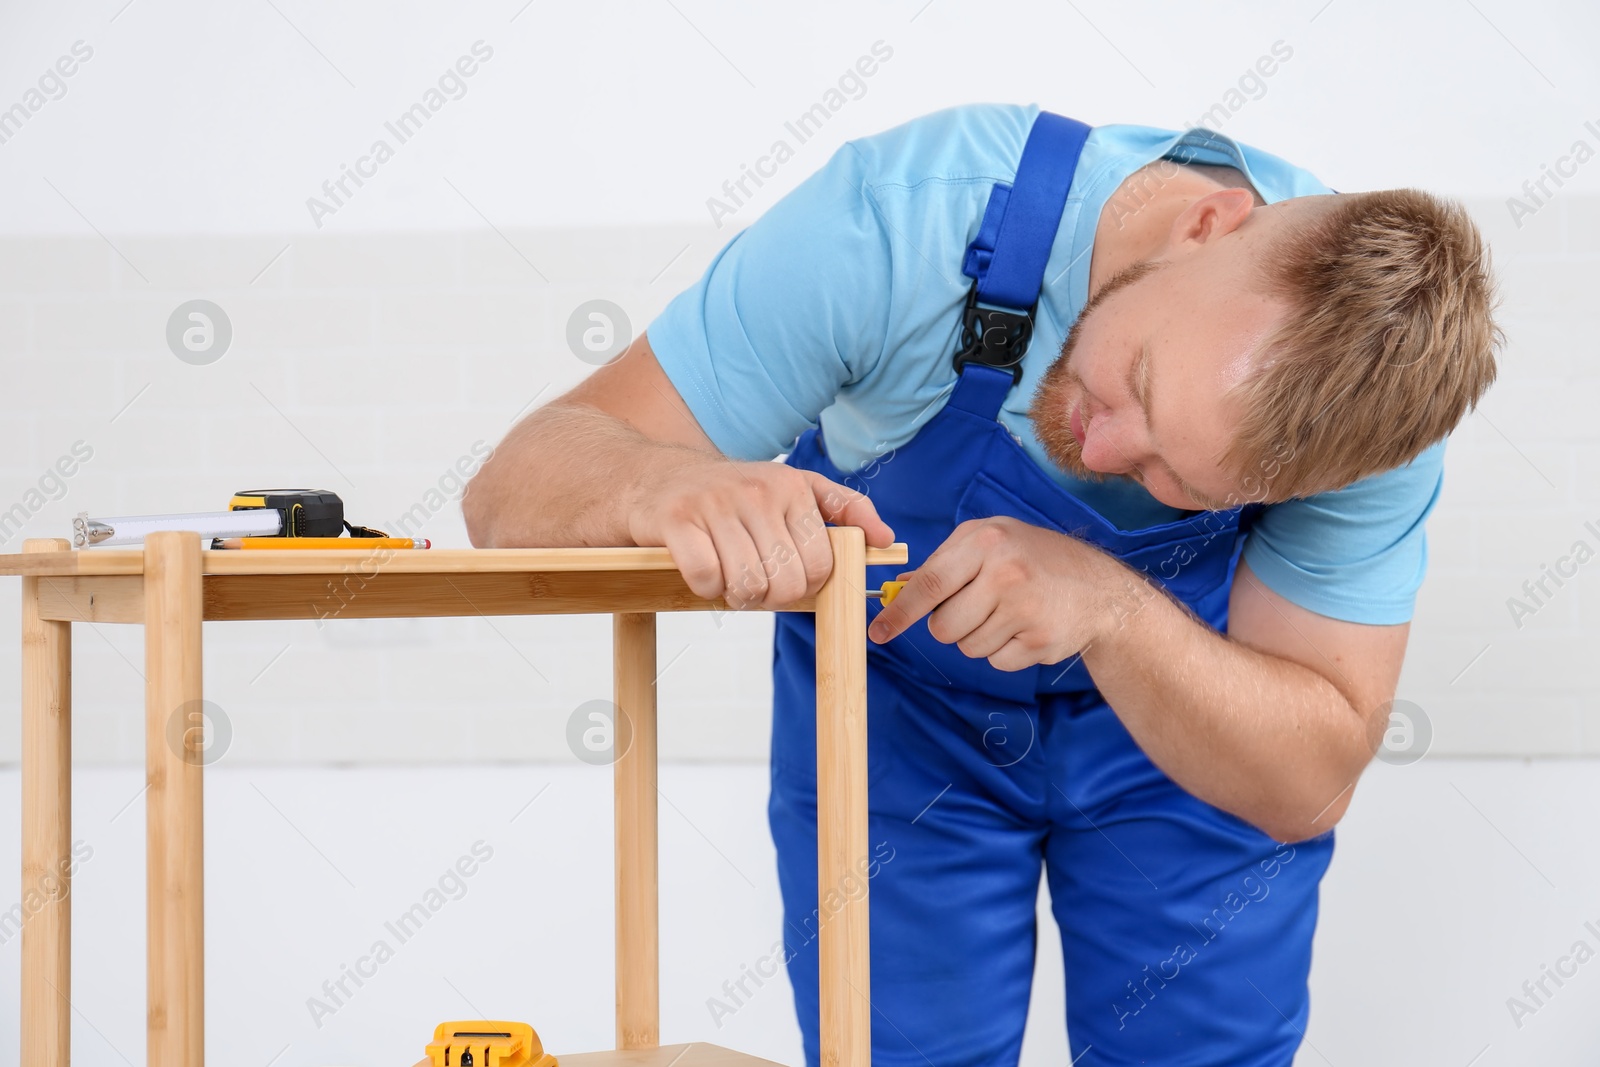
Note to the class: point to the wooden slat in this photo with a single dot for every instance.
(394, 561)
(846, 1024)
(385, 595)
(437, 560)
(92, 598)
(120, 598)
(74, 561)
(46, 827)
(698, 1054)
(638, 939)
(174, 904)
(173, 597)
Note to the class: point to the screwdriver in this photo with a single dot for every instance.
(887, 594)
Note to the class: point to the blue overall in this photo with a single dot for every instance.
(1185, 932)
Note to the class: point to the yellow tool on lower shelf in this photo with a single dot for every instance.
(487, 1043)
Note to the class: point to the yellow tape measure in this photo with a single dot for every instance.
(487, 1043)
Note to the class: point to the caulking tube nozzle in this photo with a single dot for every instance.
(89, 532)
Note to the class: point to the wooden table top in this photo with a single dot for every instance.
(694, 1054)
(112, 561)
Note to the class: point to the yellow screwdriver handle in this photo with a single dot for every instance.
(890, 591)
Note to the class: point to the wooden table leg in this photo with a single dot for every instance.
(637, 906)
(846, 1023)
(174, 750)
(46, 827)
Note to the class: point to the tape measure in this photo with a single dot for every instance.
(487, 1043)
(251, 513)
(306, 512)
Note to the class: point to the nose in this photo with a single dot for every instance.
(1102, 451)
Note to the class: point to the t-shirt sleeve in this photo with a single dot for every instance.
(1358, 553)
(792, 309)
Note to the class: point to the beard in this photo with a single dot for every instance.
(1061, 387)
(1051, 414)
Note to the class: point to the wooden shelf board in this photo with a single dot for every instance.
(96, 561)
(695, 1054)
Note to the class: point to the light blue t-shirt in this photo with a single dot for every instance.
(842, 305)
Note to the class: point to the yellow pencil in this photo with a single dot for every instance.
(325, 542)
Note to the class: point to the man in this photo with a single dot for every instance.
(1166, 562)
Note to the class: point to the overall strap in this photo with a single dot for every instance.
(1007, 258)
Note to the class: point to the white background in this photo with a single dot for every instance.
(371, 354)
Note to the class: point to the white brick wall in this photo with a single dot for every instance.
(369, 364)
(1520, 483)
(1418, 873)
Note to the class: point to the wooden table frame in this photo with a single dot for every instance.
(172, 585)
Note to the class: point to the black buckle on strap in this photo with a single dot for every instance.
(994, 338)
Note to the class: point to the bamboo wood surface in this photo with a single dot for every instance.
(368, 592)
(846, 1024)
(388, 596)
(46, 1021)
(172, 584)
(91, 598)
(393, 561)
(174, 875)
(638, 939)
(697, 1054)
(237, 597)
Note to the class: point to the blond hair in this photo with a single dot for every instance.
(1389, 342)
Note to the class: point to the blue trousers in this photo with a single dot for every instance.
(1185, 932)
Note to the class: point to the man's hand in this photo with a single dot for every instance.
(620, 460)
(751, 533)
(1014, 594)
(1272, 723)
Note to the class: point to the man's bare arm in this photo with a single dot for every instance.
(620, 460)
(1274, 722)
(559, 475)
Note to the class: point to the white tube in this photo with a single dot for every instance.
(131, 529)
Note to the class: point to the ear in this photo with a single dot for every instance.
(1210, 217)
